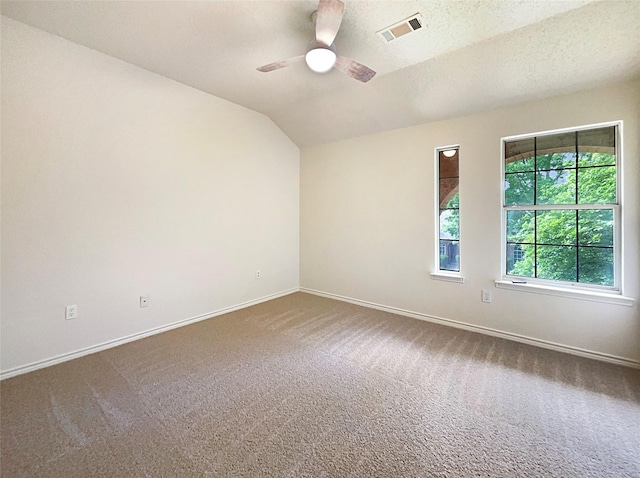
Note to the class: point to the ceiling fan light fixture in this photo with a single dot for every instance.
(320, 59)
(321, 54)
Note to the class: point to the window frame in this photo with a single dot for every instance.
(557, 286)
(438, 273)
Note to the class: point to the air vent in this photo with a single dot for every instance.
(415, 23)
(408, 25)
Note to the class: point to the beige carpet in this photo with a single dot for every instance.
(307, 386)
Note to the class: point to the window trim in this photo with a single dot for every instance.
(577, 293)
(563, 288)
(443, 274)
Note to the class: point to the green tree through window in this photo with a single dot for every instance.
(560, 204)
(449, 210)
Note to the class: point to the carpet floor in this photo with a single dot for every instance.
(307, 386)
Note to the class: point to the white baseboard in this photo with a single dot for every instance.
(483, 330)
(394, 310)
(130, 338)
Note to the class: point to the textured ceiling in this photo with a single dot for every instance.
(472, 55)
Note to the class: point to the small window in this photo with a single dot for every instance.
(518, 253)
(448, 221)
(561, 207)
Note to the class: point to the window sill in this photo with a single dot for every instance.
(447, 277)
(561, 292)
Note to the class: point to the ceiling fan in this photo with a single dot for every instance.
(321, 54)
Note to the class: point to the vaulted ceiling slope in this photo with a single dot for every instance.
(470, 56)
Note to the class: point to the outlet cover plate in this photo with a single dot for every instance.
(71, 312)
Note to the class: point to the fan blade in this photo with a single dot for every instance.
(280, 64)
(354, 69)
(328, 20)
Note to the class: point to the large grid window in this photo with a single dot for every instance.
(561, 208)
(449, 210)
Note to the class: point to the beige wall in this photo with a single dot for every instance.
(117, 182)
(367, 223)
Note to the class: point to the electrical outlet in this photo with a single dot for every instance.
(144, 301)
(486, 296)
(71, 312)
(258, 274)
